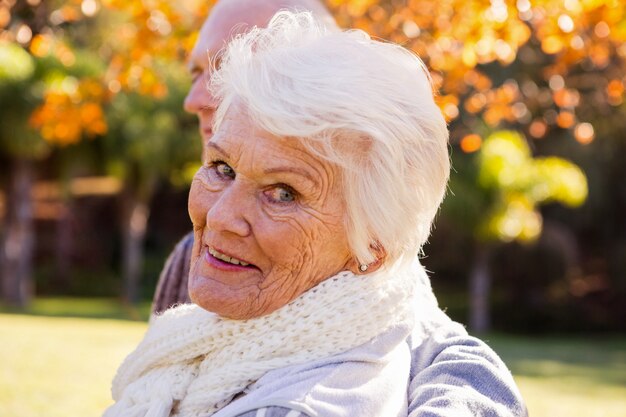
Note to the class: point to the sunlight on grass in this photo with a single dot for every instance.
(574, 377)
(557, 397)
(105, 308)
(61, 367)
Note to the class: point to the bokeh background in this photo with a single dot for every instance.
(96, 156)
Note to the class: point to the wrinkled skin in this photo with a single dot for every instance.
(267, 201)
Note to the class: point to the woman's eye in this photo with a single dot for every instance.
(223, 169)
(281, 194)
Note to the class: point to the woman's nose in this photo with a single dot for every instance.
(230, 212)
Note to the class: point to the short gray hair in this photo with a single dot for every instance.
(362, 104)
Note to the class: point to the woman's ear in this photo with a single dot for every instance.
(361, 269)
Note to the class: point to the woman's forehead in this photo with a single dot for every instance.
(243, 143)
(239, 132)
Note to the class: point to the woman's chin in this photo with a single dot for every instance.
(221, 298)
(228, 302)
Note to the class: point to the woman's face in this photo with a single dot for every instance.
(268, 221)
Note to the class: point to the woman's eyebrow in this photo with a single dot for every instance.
(292, 170)
(218, 148)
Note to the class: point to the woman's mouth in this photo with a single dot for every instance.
(223, 261)
(226, 258)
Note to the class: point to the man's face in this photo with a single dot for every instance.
(227, 19)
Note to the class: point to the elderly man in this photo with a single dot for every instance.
(227, 18)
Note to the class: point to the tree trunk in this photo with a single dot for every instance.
(19, 239)
(63, 247)
(480, 288)
(135, 221)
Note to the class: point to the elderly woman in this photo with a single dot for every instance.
(328, 163)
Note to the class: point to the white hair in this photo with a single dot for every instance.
(362, 104)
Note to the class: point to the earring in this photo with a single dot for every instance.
(363, 267)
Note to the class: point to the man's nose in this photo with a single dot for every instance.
(199, 98)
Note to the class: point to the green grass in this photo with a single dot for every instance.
(99, 308)
(62, 366)
(568, 376)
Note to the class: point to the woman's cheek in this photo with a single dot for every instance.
(194, 207)
(200, 195)
(277, 212)
(286, 237)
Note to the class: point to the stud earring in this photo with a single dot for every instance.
(363, 267)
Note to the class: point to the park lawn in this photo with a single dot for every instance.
(62, 367)
(93, 308)
(568, 376)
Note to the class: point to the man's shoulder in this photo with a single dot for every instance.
(186, 243)
(172, 285)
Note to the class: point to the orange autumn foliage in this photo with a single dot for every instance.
(457, 38)
(155, 30)
(462, 41)
(65, 117)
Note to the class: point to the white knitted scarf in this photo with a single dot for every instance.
(192, 362)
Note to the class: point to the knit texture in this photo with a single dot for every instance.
(192, 362)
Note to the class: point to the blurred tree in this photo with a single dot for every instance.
(49, 98)
(76, 71)
(20, 146)
(550, 69)
(533, 66)
(495, 199)
(151, 138)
